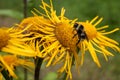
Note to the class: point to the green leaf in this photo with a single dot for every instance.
(50, 76)
(11, 13)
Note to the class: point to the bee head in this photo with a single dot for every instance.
(78, 27)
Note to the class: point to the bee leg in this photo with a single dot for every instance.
(78, 42)
(74, 35)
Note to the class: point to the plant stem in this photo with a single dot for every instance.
(25, 8)
(25, 15)
(25, 74)
(6, 75)
(65, 75)
(38, 63)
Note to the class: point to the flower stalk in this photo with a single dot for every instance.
(38, 63)
(25, 15)
(6, 75)
(25, 8)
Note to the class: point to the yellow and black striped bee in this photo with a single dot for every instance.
(80, 32)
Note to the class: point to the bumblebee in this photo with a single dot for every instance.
(80, 32)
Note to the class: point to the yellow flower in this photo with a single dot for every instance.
(96, 40)
(14, 40)
(59, 43)
(9, 62)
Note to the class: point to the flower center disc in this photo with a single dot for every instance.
(64, 34)
(4, 37)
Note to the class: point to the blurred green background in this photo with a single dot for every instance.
(11, 12)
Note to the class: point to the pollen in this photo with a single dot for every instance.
(4, 37)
